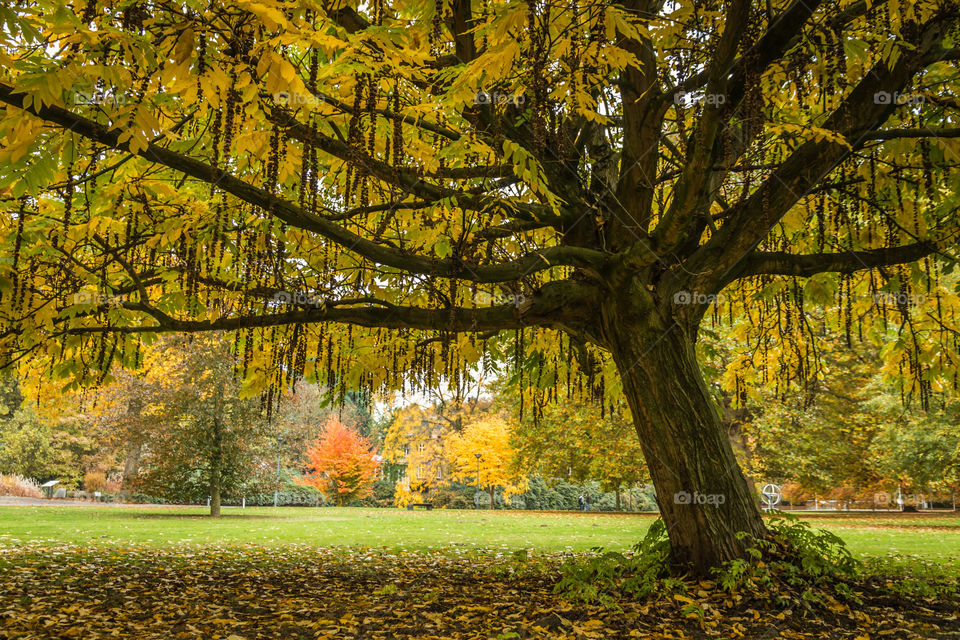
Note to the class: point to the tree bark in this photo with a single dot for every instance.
(216, 450)
(215, 496)
(741, 448)
(131, 464)
(703, 495)
(617, 492)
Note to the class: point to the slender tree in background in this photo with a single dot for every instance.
(341, 463)
(200, 438)
(386, 195)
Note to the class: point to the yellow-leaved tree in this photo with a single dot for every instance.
(392, 194)
(482, 452)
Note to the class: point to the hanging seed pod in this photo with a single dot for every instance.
(17, 243)
(231, 107)
(67, 205)
(273, 164)
(435, 25)
(371, 104)
(201, 62)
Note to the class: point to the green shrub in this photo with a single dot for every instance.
(602, 577)
(381, 495)
(795, 559)
(143, 498)
(290, 495)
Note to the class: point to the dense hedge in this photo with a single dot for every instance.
(545, 495)
(291, 495)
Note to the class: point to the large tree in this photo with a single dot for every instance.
(378, 194)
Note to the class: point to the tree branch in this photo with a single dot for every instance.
(804, 266)
(893, 134)
(406, 179)
(779, 38)
(557, 304)
(857, 116)
(690, 190)
(642, 126)
(297, 217)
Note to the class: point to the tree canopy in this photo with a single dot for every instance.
(386, 195)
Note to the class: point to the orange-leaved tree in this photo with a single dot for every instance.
(341, 463)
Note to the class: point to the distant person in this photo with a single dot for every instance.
(586, 503)
(581, 503)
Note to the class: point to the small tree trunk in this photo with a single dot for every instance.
(215, 496)
(492, 490)
(617, 493)
(131, 464)
(703, 496)
(216, 458)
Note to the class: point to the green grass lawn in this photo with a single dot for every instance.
(394, 528)
(932, 537)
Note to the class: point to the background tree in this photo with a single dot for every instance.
(37, 445)
(341, 463)
(489, 435)
(47, 437)
(918, 453)
(203, 439)
(11, 395)
(570, 189)
(573, 441)
(821, 435)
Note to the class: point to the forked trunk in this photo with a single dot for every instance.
(702, 493)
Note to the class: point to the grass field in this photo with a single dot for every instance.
(934, 538)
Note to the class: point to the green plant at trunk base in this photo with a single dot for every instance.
(795, 564)
(639, 573)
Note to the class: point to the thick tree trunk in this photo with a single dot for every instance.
(702, 493)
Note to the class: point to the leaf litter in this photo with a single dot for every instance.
(248, 592)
